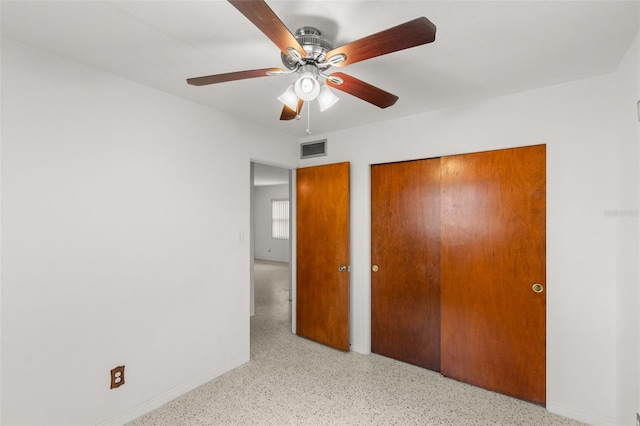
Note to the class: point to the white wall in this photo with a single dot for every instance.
(266, 247)
(120, 206)
(576, 121)
(626, 218)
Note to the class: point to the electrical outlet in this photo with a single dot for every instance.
(117, 377)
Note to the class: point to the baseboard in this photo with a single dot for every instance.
(580, 415)
(158, 401)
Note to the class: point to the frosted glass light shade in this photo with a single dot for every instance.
(307, 87)
(326, 98)
(289, 98)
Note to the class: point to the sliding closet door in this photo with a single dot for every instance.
(405, 255)
(493, 271)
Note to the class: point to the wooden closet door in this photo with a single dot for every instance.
(493, 252)
(405, 255)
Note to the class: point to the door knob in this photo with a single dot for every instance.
(343, 268)
(374, 268)
(537, 287)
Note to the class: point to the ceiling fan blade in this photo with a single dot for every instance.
(288, 113)
(231, 76)
(258, 12)
(364, 91)
(410, 34)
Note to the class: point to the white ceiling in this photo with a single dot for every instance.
(483, 49)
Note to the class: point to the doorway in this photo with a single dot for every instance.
(270, 229)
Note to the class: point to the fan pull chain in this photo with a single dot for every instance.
(308, 119)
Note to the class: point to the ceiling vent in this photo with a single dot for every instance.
(313, 149)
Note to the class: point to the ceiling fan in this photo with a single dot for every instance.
(310, 55)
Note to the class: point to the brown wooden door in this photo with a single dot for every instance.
(405, 250)
(493, 251)
(322, 228)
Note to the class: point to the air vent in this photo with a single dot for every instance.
(313, 149)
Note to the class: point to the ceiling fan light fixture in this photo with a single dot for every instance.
(326, 98)
(289, 98)
(307, 87)
(309, 54)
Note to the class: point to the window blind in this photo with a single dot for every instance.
(280, 219)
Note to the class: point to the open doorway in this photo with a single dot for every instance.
(271, 248)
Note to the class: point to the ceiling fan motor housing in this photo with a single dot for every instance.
(313, 43)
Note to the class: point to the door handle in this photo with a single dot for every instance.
(537, 287)
(343, 268)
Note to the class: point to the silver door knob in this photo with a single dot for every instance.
(343, 268)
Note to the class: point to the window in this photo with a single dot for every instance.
(280, 219)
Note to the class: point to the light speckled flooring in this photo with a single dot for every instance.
(292, 381)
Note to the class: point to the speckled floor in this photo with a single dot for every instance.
(293, 381)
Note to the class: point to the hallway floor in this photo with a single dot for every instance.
(293, 381)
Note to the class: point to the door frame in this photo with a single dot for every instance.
(293, 270)
(292, 235)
